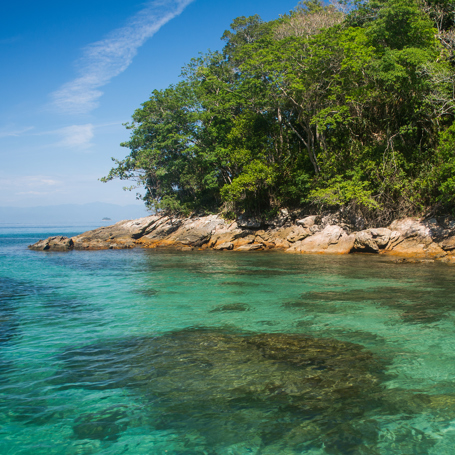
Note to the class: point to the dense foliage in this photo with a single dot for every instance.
(330, 106)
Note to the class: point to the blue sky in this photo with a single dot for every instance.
(73, 71)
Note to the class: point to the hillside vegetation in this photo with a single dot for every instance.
(327, 106)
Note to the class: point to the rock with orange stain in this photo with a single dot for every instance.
(332, 239)
(416, 238)
(408, 237)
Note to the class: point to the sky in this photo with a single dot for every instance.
(72, 72)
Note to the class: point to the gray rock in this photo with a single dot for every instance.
(249, 223)
(250, 247)
(417, 238)
(57, 243)
(224, 246)
(332, 239)
(364, 242)
(278, 221)
(198, 232)
(448, 244)
(381, 236)
(298, 233)
(372, 240)
(309, 221)
(163, 227)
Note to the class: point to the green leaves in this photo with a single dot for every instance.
(340, 191)
(316, 107)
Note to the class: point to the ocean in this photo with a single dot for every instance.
(203, 352)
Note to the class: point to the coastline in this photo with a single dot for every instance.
(410, 239)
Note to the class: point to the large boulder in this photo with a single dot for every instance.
(250, 247)
(197, 231)
(57, 243)
(417, 238)
(224, 246)
(136, 228)
(448, 244)
(249, 223)
(231, 234)
(162, 228)
(298, 233)
(279, 237)
(120, 235)
(332, 239)
(372, 240)
(309, 221)
(265, 238)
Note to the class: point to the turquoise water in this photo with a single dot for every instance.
(163, 352)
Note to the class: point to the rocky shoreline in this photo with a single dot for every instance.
(430, 239)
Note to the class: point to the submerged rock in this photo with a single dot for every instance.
(231, 307)
(106, 425)
(226, 388)
(148, 292)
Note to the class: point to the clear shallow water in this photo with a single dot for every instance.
(154, 352)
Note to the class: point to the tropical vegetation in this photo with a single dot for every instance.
(340, 106)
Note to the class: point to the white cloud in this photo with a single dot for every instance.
(111, 56)
(8, 132)
(34, 193)
(30, 184)
(76, 136)
(38, 180)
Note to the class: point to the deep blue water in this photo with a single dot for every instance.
(158, 351)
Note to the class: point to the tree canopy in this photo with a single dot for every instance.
(328, 105)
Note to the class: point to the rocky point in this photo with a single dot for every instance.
(424, 239)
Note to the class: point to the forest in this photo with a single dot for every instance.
(328, 107)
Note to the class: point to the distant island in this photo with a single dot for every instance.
(106, 219)
(327, 107)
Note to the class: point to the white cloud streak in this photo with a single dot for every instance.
(76, 136)
(109, 57)
(30, 181)
(14, 132)
(73, 136)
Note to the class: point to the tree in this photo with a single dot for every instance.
(324, 105)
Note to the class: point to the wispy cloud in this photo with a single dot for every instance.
(111, 56)
(73, 136)
(29, 183)
(76, 136)
(38, 185)
(34, 193)
(13, 132)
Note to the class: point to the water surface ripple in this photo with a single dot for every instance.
(154, 352)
